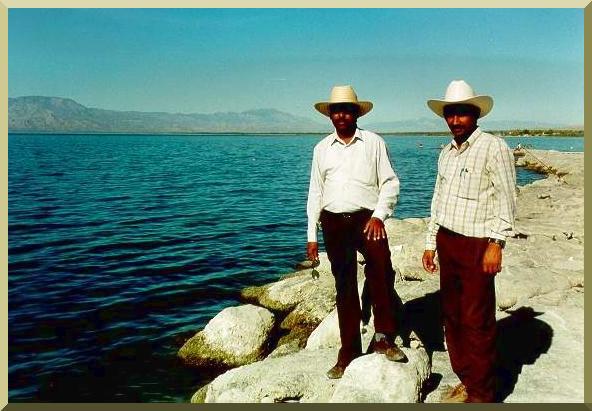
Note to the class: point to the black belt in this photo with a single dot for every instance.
(450, 232)
(455, 234)
(353, 214)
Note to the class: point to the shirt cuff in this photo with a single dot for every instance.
(381, 215)
(430, 243)
(497, 236)
(312, 233)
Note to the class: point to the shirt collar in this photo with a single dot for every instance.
(469, 142)
(357, 136)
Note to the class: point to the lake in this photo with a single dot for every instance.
(121, 246)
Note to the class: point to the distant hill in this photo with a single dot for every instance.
(63, 115)
(55, 114)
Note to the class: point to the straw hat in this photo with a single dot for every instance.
(460, 92)
(344, 94)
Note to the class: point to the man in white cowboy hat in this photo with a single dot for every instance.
(353, 189)
(472, 214)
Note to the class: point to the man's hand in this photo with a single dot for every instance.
(374, 229)
(428, 261)
(492, 259)
(312, 251)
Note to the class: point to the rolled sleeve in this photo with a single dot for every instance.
(388, 184)
(503, 178)
(433, 226)
(315, 195)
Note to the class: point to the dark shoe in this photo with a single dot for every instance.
(390, 350)
(337, 371)
(394, 353)
(477, 400)
(455, 394)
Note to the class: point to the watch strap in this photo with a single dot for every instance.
(501, 243)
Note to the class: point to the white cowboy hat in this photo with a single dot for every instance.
(460, 92)
(343, 94)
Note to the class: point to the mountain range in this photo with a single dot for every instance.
(64, 115)
(55, 114)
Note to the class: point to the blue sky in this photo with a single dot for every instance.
(208, 60)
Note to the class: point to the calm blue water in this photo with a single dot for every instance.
(121, 246)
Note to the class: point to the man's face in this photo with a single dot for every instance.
(343, 116)
(461, 119)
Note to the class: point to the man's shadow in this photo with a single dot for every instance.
(521, 338)
(422, 316)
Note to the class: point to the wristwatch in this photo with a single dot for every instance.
(502, 243)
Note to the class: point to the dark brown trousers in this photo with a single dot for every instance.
(343, 236)
(468, 308)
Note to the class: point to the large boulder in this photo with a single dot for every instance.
(298, 377)
(284, 295)
(326, 335)
(373, 378)
(235, 336)
(411, 292)
(293, 341)
(311, 311)
(301, 377)
(305, 297)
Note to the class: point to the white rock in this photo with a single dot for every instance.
(235, 336)
(326, 335)
(307, 300)
(373, 378)
(300, 376)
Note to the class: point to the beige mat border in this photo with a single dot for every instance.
(7, 4)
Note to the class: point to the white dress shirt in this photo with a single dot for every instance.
(349, 177)
(475, 191)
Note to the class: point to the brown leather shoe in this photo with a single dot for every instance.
(455, 394)
(337, 371)
(390, 350)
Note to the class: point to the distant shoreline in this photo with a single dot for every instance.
(503, 133)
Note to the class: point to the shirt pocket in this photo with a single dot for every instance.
(469, 181)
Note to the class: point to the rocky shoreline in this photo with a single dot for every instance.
(279, 344)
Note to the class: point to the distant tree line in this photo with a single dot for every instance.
(517, 132)
(542, 132)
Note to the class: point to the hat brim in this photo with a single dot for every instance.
(364, 106)
(484, 103)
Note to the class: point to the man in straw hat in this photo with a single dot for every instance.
(472, 214)
(353, 189)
